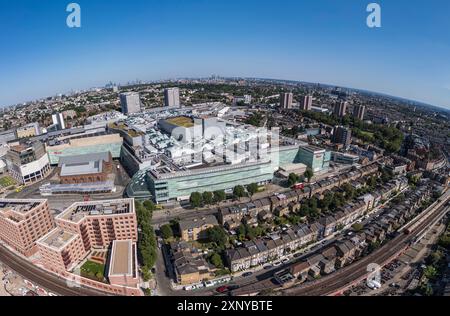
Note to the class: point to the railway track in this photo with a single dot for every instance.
(42, 278)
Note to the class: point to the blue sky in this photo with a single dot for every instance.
(323, 41)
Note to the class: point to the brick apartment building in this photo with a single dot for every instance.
(85, 226)
(23, 222)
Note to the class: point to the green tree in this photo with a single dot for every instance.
(196, 199)
(293, 179)
(349, 191)
(219, 196)
(147, 240)
(166, 231)
(309, 174)
(218, 236)
(216, 260)
(372, 182)
(357, 227)
(252, 188)
(444, 241)
(149, 205)
(239, 191)
(208, 198)
(241, 232)
(430, 272)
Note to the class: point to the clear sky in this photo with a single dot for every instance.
(323, 41)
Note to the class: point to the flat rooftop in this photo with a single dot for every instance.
(313, 149)
(16, 210)
(77, 211)
(83, 164)
(132, 132)
(123, 257)
(57, 238)
(19, 206)
(182, 121)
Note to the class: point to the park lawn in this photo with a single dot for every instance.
(368, 134)
(7, 182)
(93, 270)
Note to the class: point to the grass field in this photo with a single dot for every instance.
(182, 121)
(7, 182)
(93, 270)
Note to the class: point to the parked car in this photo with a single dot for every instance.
(210, 283)
(277, 264)
(222, 289)
(247, 274)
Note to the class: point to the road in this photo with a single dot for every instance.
(165, 216)
(42, 278)
(58, 203)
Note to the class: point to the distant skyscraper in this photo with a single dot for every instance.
(306, 103)
(172, 97)
(359, 111)
(286, 100)
(58, 119)
(130, 102)
(342, 135)
(340, 109)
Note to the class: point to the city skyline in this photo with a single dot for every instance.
(321, 41)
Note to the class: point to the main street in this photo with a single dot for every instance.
(165, 216)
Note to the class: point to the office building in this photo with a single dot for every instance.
(359, 111)
(286, 100)
(58, 121)
(306, 103)
(315, 158)
(166, 184)
(28, 162)
(344, 158)
(23, 222)
(342, 135)
(172, 97)
(86, 145)
(340, 109)
(130, 102)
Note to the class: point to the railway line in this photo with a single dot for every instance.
(42, 278)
